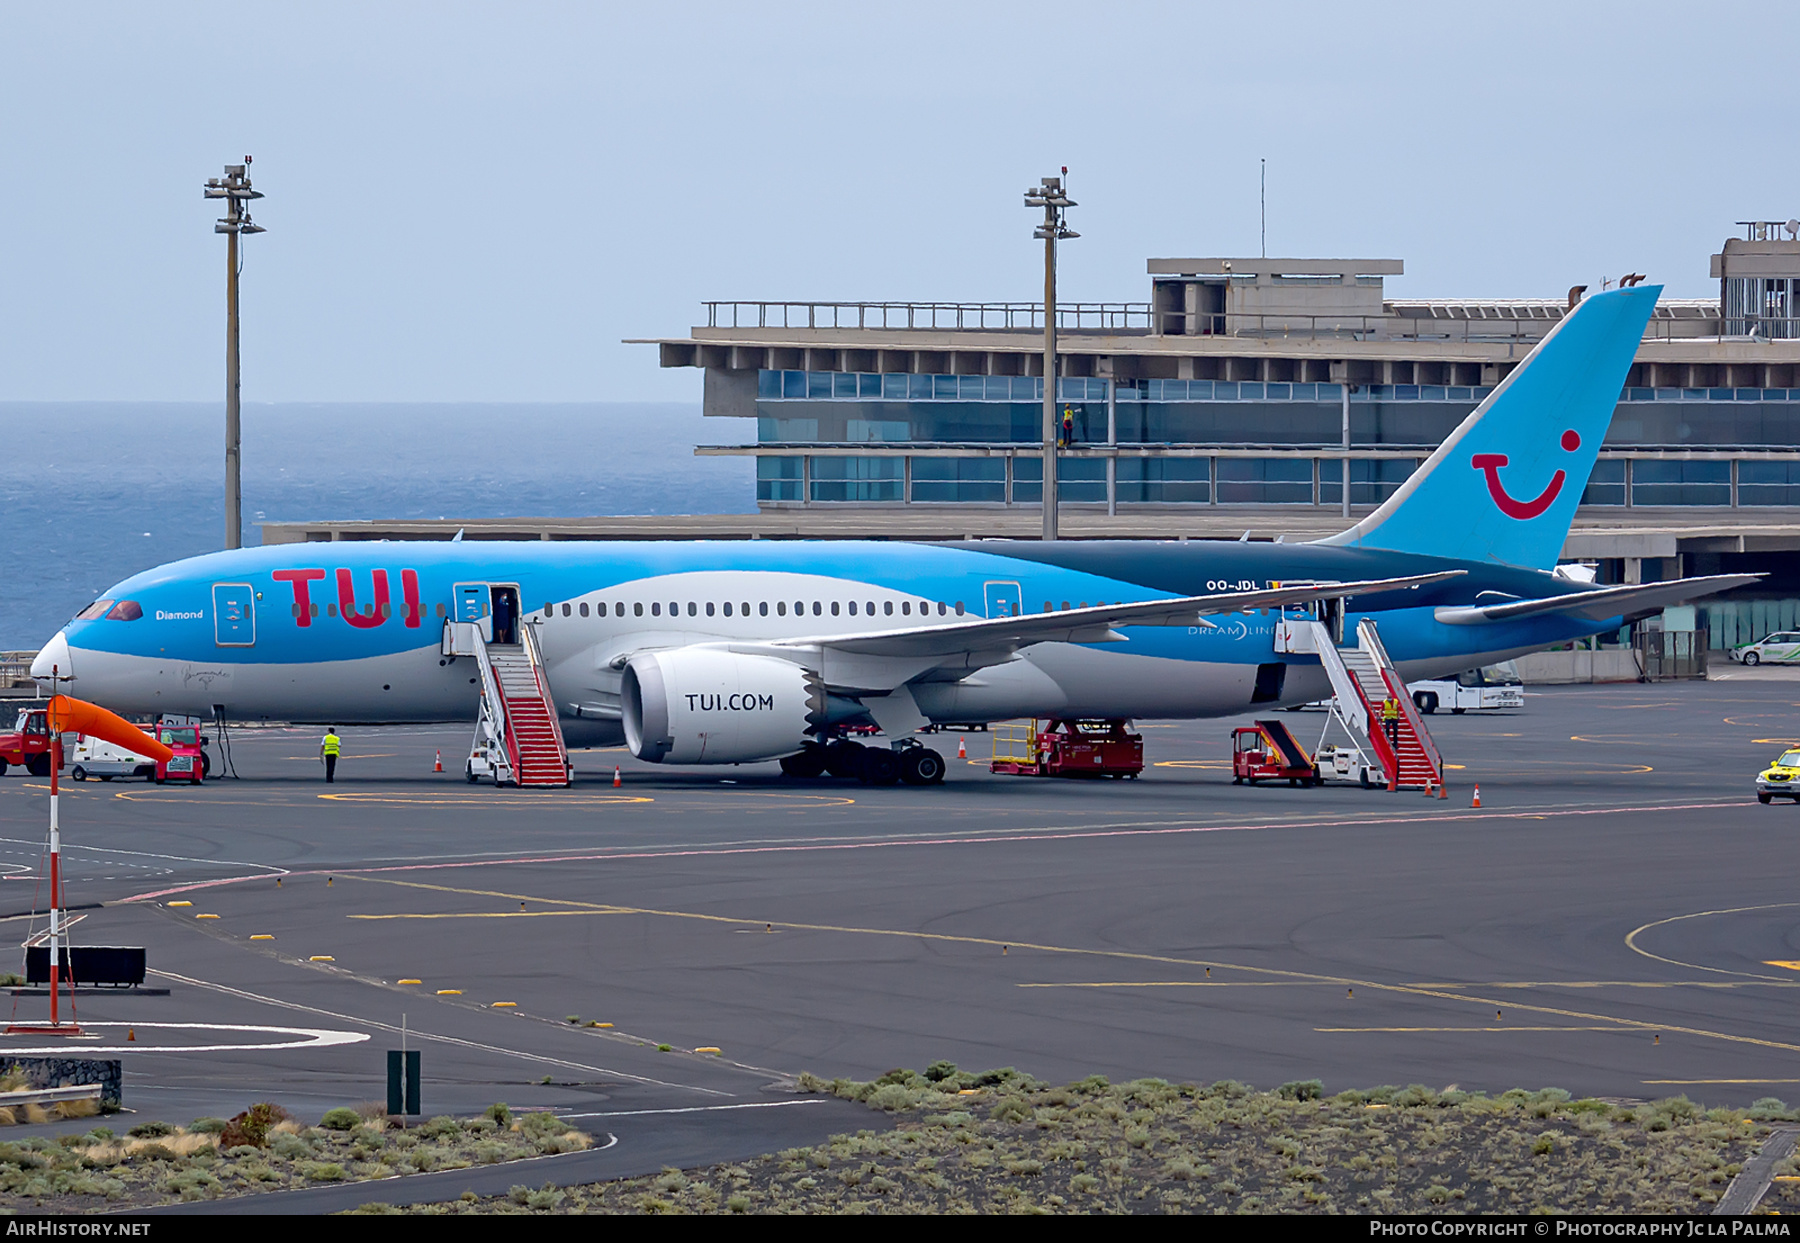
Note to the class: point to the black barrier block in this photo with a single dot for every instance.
(112, 965)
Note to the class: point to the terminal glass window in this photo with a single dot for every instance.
(1265, 481)
(1769, 483)
(963, 480)
(779, 478)
(1680, 483)
(857, 478)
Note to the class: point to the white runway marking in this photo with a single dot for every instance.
(693, 1109)
(432, 1036)
(308, 1038)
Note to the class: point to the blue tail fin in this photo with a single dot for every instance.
(1505, 484)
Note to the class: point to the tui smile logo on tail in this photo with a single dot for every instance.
(1490, 464)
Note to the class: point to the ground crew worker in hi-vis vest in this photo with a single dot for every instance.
(329, 746)
(1390, 719)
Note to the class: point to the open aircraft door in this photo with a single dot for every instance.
(473, 602)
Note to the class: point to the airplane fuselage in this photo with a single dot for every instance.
(351, 632)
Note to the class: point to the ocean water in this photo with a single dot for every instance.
(91, 493)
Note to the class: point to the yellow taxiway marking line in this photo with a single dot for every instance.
(378, 755)
(945, 938)
(1701, 1082)
(1606, 1028)
(1773, 742)
(484, 915)
(488, 800)
(1185, 984)
(1776, 962)
(1753, 982)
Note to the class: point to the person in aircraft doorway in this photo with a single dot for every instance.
(506, 615)
(329, 746)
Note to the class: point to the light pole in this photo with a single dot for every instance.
(234, 188)
(1051, 197)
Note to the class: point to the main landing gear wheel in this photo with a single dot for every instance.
(880, 766)
(921, 766)
(809, 763)
(843, 758)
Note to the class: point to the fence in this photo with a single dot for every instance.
(1665, 655)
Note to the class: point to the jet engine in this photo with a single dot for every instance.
(698, 706)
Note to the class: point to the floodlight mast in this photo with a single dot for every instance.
(234, 188)
(1051, 197)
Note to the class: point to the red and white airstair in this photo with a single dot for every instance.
(518, 740)
(1362, 680)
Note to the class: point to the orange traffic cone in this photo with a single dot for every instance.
(617, 780)
(437, 763)
(1477, 801)
(962, 749)
(1443, 790)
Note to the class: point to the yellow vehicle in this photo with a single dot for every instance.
(1780, 779)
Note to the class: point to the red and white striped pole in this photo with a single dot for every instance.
(57, 1027)
(55, 866)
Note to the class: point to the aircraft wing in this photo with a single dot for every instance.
(1599, 604)
(1097, 624)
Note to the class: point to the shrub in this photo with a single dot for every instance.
(151, 1130)
(340, 1119)
(1302, 1090)
(939, 1071)
(501, 1115)
(253, 1126)
(892, 1096)
(542, 1123)
(206, 1126)
(1771, 1109)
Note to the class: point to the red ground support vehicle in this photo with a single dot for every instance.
(1266, 751)
(28, 744)
(188, 763)
(1066, 748)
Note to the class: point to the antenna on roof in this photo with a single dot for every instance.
(1793, 229)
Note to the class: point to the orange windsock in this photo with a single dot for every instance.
(68, 713)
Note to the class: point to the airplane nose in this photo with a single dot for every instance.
(55, 656)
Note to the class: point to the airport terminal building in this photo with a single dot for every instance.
(1274, 396)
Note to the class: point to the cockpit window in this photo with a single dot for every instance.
(96, 609)
(126, 610)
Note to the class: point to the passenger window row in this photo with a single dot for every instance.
(819, 608)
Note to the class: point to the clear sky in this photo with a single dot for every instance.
(476, 202)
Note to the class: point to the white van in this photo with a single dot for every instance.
(1490, 688)
(95, 757)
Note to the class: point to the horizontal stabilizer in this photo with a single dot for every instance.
(1598, 605)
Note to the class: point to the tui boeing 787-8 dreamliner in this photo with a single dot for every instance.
(729, 652)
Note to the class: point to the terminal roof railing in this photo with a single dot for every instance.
(1521, 319)
(942, 316)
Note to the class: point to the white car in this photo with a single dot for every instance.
(1780, 648)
